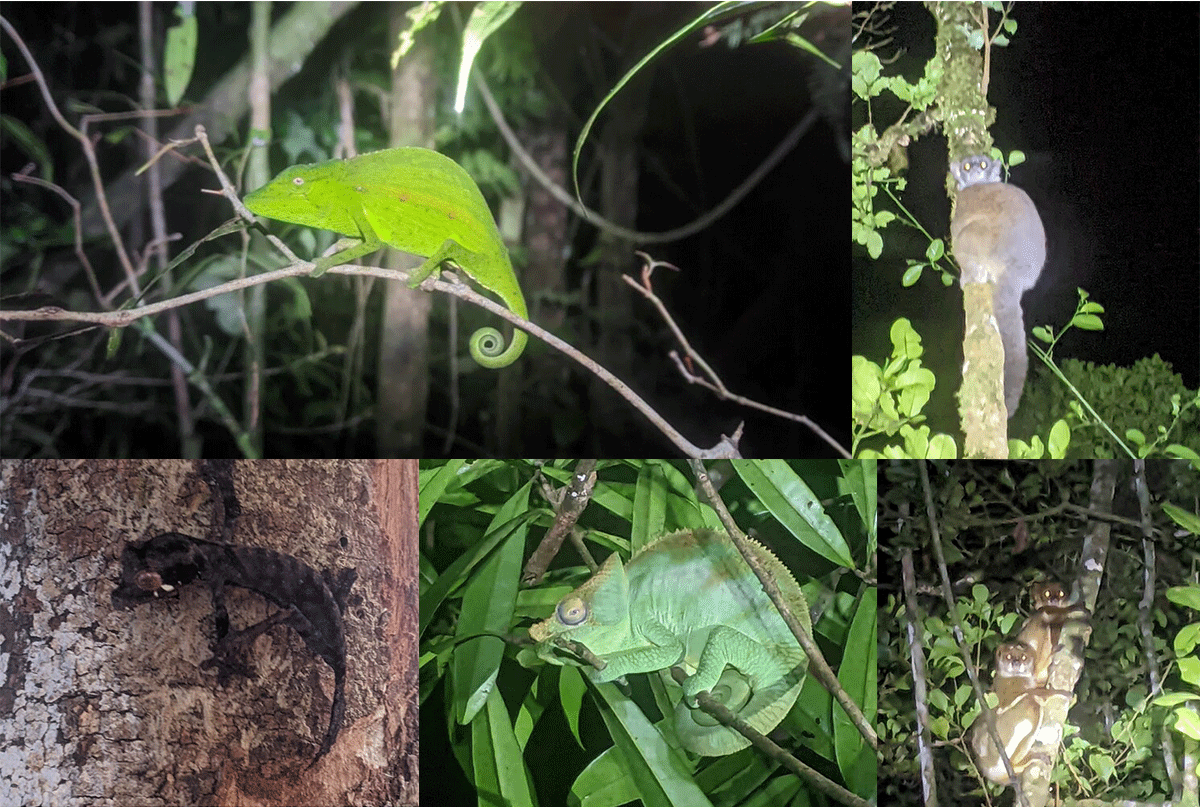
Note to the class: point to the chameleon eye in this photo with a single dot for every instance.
(298, 181)
(572, 612)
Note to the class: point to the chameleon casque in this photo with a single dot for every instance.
(690, 599)
(310, 603)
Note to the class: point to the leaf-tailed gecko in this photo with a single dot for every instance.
(311, 604)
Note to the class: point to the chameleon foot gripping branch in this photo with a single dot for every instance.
(311, 603)
(415, 200)
(689, 599)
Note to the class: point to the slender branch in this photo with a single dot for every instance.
(713, 381)
(816, 659)
(723, 715)
(987, 715)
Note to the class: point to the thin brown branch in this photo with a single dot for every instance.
(816, 660)
(711, 380)
(722, 714)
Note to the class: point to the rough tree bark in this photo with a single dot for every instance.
(106, 706)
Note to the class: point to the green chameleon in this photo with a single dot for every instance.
(415, 200)
(688, 598)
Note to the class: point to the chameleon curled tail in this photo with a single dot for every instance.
(487, 344)
(761, 707)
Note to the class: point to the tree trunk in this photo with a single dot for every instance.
(403, 372)
(114, 706)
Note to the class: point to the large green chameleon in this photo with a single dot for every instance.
(415, 200)
(688, 598)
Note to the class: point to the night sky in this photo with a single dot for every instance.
(1102, 98)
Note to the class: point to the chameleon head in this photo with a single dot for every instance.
(595, 615)
(571, 612)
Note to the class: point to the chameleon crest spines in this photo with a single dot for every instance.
(310, 603)
(688, 598)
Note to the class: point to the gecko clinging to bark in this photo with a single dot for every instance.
(310, 603)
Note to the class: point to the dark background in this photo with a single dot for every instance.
(761, 293)
(1103, 100)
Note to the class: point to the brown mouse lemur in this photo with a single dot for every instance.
(997, 237)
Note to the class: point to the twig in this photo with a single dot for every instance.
(713, 382)
(722, 714)
(569, 503)
(816, 659)
(952, 608)
(89, 152)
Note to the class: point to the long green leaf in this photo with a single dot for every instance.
(792, 502)
(719, 10)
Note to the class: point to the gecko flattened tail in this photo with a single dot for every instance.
(336, 714)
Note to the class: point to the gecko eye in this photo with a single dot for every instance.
(572, 612)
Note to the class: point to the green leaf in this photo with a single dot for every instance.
(457, 574)
(802, 43)
(34, 147)
(486, 19)
(699, 22)
(487, 607)
(604, 781)
(792, 502)
(857, 675)
(1060, 439)
(179, 54)
(1188, 520)
(499, 766)
(658, 771)
(874, 244)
